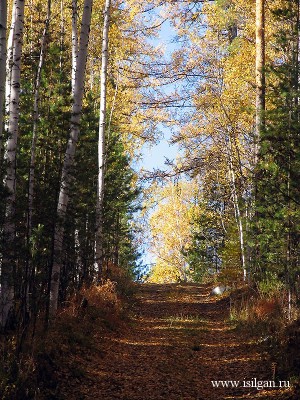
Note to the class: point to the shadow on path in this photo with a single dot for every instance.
(178, 342)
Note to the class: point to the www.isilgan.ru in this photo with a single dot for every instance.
(253, 383)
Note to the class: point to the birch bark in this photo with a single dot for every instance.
(101, 144)
(3, 28)
(74, 42)
(13, 110)
(237, 211)
(260, 73)
(66, 175)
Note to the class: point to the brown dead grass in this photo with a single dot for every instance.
(55, 355)
(267, 309)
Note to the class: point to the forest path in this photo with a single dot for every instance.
(178, 341)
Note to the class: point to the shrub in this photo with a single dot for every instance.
(257, 313)
(270, 286)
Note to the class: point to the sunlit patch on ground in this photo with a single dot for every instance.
(179, 340)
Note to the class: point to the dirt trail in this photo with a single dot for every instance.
(179, 341)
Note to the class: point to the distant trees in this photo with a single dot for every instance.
(170, 231)
(217, 134)
(238, 137)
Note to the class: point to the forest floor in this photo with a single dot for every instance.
(178, 340)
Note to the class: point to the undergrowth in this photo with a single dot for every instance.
(35, 373)
(266, 315)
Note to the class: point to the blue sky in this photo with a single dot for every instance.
(154, 156)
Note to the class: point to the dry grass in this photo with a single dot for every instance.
(256, 313)
(101, 296)
(35, 375)
(267, 309)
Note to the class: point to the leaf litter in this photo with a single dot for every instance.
(177, 341)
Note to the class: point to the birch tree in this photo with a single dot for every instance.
(101, 143)
(13, 111)
(259, 71)
(237, 211)
(66, 175)
(74, 42)
(3, 19)
(36, 118)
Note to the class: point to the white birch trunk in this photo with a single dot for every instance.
(259, 73)
(3, 28)
(237, 211)
(12, 110)
(239, 222)
(101, 144)
(66, 175)
(62, 33)
(74, 42)
(9, 63)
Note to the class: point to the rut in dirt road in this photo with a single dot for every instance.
(180, 340)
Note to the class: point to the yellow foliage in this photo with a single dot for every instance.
(170, 228)
(164, 273)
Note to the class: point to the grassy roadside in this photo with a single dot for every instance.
(266, 317)
(54, 356)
